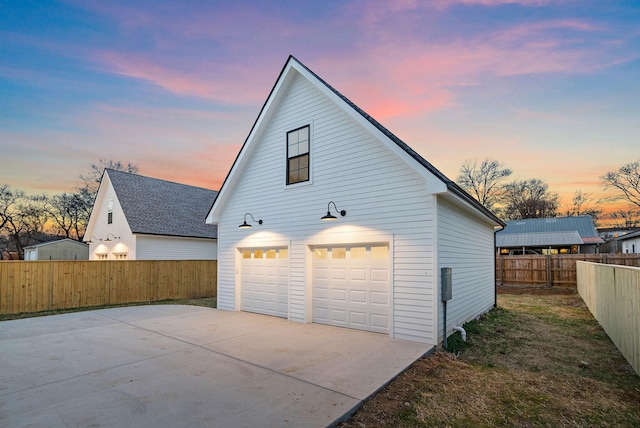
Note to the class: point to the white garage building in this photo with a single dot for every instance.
(394, 221)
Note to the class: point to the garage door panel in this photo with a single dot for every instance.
(359, 318)
(352, 290)
(339, 315)
(339, 294)
(379, 298)
(358, 274)
(379, 321)
(321, 272)
(358, 296)
(381, 275)
(338, 274)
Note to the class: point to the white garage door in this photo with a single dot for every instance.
(351, 286)
(265, 281)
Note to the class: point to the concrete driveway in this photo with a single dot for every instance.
(174, 366)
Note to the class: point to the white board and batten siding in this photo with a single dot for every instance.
(465, 244)
(386, 202)
(150, 247)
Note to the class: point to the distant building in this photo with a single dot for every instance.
(630, 243)
(560, 235)
(62, 249)
(143, 218)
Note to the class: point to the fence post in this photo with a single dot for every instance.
(549, 271)
(50, 296)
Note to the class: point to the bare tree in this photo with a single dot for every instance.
(22, 218)
(485, 181)
(626, 180)
(530, 199)
(625, 219)
(8, 199)
(69, 212)
(91, 180)
(582, 205)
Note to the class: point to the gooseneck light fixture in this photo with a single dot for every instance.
(329, 216)
(246, 225)
(111, 239)
(91, 240)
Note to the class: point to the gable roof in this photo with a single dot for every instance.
(294, 64)
(631, 235)
(158, 207)
(548, 231)
(57, 241)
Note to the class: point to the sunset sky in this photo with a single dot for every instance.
(549, 88)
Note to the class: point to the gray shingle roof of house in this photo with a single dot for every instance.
(158, 207)
(451, 185)
(532, 232)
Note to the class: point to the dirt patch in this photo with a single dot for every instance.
(536, 290)
(536, 360)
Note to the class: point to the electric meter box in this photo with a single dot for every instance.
(445, 279)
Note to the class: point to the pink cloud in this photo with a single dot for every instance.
(223, 83)
(399, 74)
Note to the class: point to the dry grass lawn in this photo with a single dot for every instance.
(535, 361)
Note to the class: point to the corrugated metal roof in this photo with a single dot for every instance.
(582, 224)
(538, 239)
(159, 207)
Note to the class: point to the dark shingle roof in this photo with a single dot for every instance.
(159, 207)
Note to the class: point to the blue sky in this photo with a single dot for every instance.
(550, 88)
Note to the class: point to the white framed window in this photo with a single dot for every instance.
(101, 256)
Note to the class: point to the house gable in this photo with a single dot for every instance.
(437, 182)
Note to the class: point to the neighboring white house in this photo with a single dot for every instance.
(397, 221)
(630, 242)
(62, 249)
(142, 218)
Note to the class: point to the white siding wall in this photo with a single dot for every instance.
(465, 245)
(101, 229)
(382, 196)
(629, 246)
(175, 248)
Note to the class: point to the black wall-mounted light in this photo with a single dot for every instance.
(111, 239)
(91, 240)
(329, 216)
(246, 225)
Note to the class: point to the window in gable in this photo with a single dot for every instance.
(110, 211)
(298, 155)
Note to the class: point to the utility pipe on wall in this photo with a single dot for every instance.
(462, 332)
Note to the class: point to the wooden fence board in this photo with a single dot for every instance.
(552, 270)
(31, 286)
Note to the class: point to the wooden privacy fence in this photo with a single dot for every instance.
(612, 294)
(552, 270)
(45, 285)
